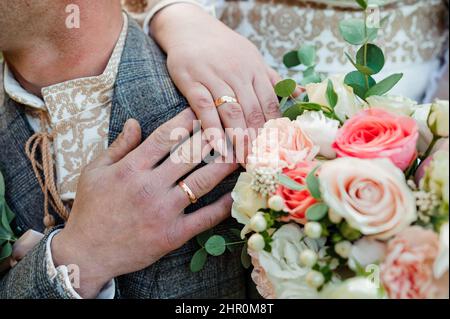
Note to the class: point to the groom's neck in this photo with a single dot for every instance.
(68, 53)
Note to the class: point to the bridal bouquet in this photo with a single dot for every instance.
(347, 196)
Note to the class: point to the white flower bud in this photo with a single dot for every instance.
(438, 120)
(308, 258)
(313, 230)
(256, 242)
(258, 223)
(343, 249)
(276, 203)
(315, 279)
(334, 217)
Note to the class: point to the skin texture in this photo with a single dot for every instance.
(121, 220)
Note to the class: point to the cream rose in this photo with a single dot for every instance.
(347, 105)
(246, 202)
(371, 195)
(396, 104)
(321, 130)
(278, 274)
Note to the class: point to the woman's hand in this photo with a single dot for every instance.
(207, 61)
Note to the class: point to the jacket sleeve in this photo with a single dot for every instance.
(29, 278)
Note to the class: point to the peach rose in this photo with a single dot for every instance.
(281, 143)
(371, 195)
(376, 133)
(407, 272)
(297, 202)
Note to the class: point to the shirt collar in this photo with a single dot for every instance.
(17, 93)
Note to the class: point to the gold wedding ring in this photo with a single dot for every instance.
(225, 99)
(192, 198)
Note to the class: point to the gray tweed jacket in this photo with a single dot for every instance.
(143, 91)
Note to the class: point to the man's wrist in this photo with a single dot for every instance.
(69, 252)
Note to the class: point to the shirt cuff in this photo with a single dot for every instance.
(165, 3)
(60, 275)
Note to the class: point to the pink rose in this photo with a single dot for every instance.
(297, 202)
(281, 143)
(376, 133)
(371, 195)
(407, 272)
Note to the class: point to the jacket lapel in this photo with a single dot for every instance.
(24, 194)
(144, 90)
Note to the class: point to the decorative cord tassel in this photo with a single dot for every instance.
(45, 173)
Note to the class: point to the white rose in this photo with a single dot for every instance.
(348, 104)
(366, 252)
(396, 104)
(438, 121)
(321, 130)
(371, 195)
(246, 202)
(354, 288)
(282, 267)
(441, 264)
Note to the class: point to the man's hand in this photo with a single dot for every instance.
(207, 60)
(128, 212)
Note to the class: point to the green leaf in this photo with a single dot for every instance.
(245, 258)
(297, 109)
(203, 237)
(4, 220)
(357, 81)
(375, 59)
(290, 183)
(2, 185)
(216, 245)
(5, 234)
(5, 251)
(312, 78)
(362, 4)
(317, 212)
(353, 31)
(198, 260)
(384, 86)
(307, 55)
(313, 184)
(291, 59)
(332, 97)
(285, 88)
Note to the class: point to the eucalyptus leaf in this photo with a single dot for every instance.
(353, 31)
(384, 86)
(307, 55)
(362, 3)
(317, 212)
(357, 81)
(203, 237)
(290, 183)
(332, 97)
(291, 59)
(297, 109)
(198, 260)
(285, 88)
(313, 184)
(216, 245)
(372, 58)
(312, 78)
